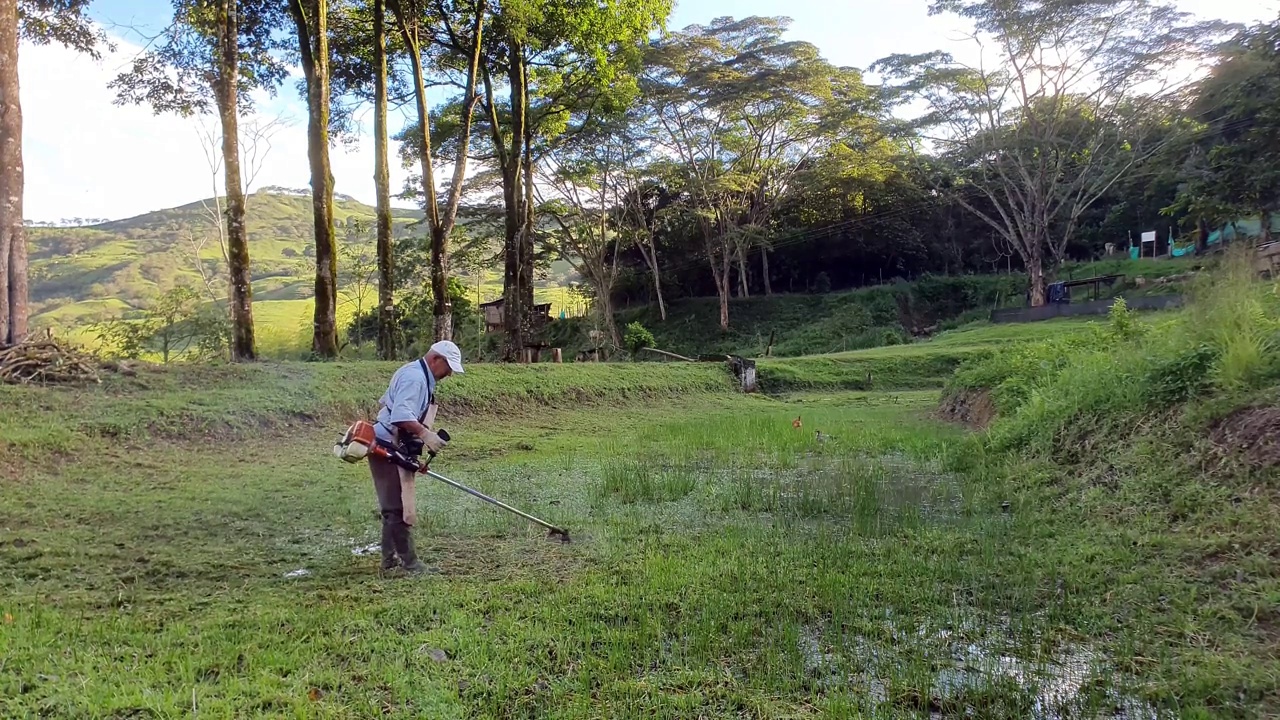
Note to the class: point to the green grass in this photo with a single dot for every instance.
(920, 365)
(725, 564)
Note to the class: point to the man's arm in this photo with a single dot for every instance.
(408, 397)
(413, 427)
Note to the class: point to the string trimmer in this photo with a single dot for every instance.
(410, 461)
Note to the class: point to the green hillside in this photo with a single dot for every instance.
(81, 275)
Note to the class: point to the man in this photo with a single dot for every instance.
(407, 411)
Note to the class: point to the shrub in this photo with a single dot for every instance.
(637, 338)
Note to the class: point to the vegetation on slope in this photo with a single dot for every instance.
(1156, 446)
(191, 399)
(883, 315)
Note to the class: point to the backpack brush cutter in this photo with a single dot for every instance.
(361, 441)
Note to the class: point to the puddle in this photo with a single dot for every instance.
(908, 484)
(1073, 681)
(371, 549)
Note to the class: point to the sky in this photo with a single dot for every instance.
(87, 157)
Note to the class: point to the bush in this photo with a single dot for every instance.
(637, 338)
(174, 324)
(414, 319)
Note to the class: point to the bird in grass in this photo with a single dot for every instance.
(822, 437)
(796, 423)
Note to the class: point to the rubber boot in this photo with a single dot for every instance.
(389, 559)
(409, 554)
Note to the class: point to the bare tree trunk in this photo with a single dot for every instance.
(610, 323)
(13, 241)
(723, 282)
(440, 235)
(764, 270)
(439, 278)
(313, 43)
(382, 183)
(242, 341)
(1266, 226)
(650, 255)
(526, 233)
(1202, 236)
(744, 278)
(514, 309)
(720, 272)
(1038, 286)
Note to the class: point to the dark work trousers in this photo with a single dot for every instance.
(396, 538)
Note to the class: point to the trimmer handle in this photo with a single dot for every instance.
(431, 454)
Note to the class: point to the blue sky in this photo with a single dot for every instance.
(849, 33)
(87, 157)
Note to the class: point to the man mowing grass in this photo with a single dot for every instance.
(406, 414)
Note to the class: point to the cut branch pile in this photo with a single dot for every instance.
(46, 362)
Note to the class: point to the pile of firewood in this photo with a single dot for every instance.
(46, 362)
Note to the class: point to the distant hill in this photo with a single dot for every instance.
(80, 275)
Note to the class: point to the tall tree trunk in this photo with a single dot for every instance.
(526, 233)
(1202, 236)
(744, 278)
(651, 259)
(443, 328)
(313, 44)
(514, 309)
(610, 322)
(242, 342)
(382, 184)
(764, 270)
(440, 235)
(13, 240)
(1038, 284)
(720, 273)
(1266, 226)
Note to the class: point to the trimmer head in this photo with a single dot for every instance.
(560, 533)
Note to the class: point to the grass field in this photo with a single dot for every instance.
(182, 544)
(919, 365)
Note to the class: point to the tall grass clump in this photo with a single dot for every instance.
(1223, 345)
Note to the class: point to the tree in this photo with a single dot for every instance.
(214, 55)
(360, 270)
(40, 22)
(460, 32)
(585, 178)
(1048, 128)
(310, 18)
(255, 135)
(382, 181)
(171, 324)
(644, 199)
(1233, 159)
(360, 72)
(741, 111)
(562, 63)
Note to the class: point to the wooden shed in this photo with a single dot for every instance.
(495, 318)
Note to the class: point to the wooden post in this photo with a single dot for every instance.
(556, 356)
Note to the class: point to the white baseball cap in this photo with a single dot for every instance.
(450, 352)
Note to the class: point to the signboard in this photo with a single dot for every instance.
(1148, 237)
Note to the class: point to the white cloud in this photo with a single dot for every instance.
(87, 157)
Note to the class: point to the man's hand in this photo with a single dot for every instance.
(431, 441)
